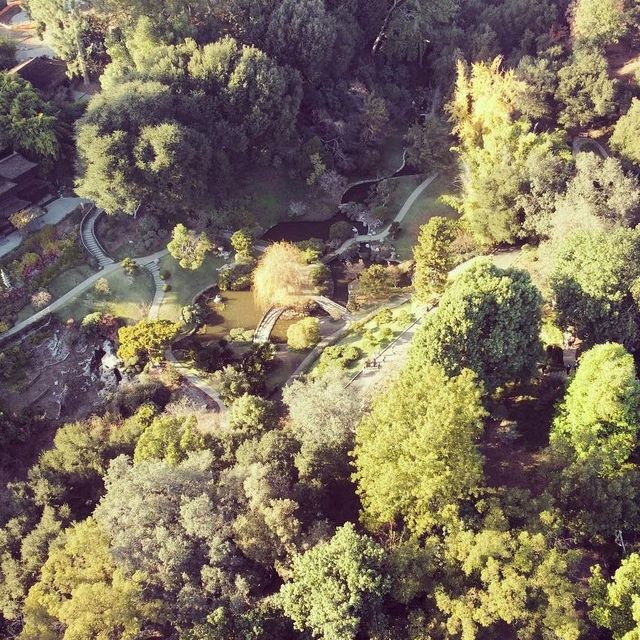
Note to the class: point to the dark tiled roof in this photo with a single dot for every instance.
(42, 72)
(15, 165)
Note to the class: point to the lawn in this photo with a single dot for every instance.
(424, 208)
(128, 298)
(403, 188)
(391, 152)
(186, 284)
(270, 190)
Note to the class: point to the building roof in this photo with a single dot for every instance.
(15, 165)
(43, 73)
(6, 186)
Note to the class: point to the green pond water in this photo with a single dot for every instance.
(240, 311)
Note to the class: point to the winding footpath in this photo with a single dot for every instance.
(270, 317)
(381, 235)
(151, 263)
(579, 142)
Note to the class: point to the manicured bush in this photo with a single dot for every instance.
(337, 357)
(236, 277)
(303, 334)
(130, 266)
(101, 287)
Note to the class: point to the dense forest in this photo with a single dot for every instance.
(485, 490)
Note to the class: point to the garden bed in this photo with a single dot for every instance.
(48, 264)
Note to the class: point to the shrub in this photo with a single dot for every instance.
(236, 277)
(303, 334)
(41, 299)
(242, 243)
(166, 287)
(165, 274)
(320, 274)
(337, 357)
(91, 320)
(238, 334)
(101, 287)
(311, 249)
(297, 209)
(340, 231)
(129, 265)
(384, 316)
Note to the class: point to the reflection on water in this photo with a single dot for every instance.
(297, 231)
(238, 310)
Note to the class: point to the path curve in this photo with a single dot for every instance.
(381, 235)
(580, 141)
(196, 379)
(269, 319)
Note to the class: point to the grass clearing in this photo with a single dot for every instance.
(129, 298)
(186, 284)
(422, 210)
(270, 191)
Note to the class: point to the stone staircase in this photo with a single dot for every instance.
(89, 239)
(154, 269)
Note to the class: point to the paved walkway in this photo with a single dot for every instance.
(90, 240)
(154, 269)
(376, 237)
(28, 44)
(196, 379)
(394, 356)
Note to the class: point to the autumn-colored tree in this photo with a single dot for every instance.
(282, 278)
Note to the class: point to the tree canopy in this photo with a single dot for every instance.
(594, 283)
(336, 587)
(488, 321)
(415, 456)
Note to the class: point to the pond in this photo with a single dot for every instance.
(240, 311)
(297, 231)
(340, 281)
